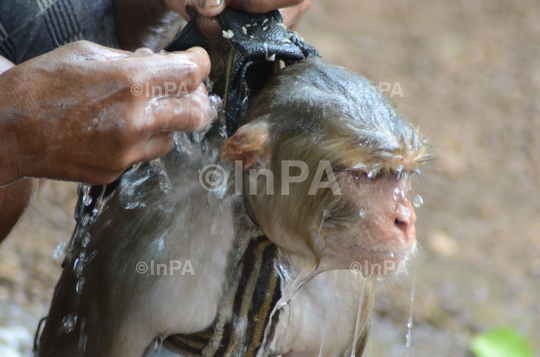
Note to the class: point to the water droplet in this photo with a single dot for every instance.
(83, 337)
(86, 240)
(78, 267)
(86, 220)
(87, 199)
(418, 201)
(362, 213)
(132, 205)
(164, 182)
(381, 278)
(99, 202)
(398, 194)
(68, 324)
(79, 287)
(82, 342)
(410, 323)
(90, 257)
(59, 251)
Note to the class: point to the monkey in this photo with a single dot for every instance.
(341, 156)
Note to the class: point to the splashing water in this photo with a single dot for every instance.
(79, 264)
(68, 324)
(83, 337)
(90, 257)
(85, 240)
(87, 199)
(359, 314)
(86, 220)
(99, 202)
(398, 194)
(164, 182)
(79, 286)
(59, 252)
(410, 323)
(334, 286)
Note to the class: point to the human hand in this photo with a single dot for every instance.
(74, 113)
(205, 12)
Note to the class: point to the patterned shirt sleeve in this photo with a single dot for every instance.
(29, 28)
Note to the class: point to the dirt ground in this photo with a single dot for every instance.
(469, 73)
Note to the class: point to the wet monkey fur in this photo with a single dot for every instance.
(337, 129)
(316, 112)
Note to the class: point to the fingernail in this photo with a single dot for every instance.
(207, 4)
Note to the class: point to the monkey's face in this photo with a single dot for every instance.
(312, 113)
(368, 220)
(371, 223)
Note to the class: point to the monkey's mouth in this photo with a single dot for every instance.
(381, 262)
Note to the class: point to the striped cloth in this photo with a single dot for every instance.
(29, 28)
(244, 313)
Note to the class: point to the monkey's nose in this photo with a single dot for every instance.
(404, 220)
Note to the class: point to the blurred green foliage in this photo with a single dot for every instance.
(501, 342)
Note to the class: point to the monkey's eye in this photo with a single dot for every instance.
(359, 176)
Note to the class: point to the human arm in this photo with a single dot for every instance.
(16, 197)
(71, 114)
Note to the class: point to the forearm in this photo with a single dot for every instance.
(9, 169)
(15, 198)
(145, 23)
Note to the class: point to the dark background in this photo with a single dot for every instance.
(469, 71)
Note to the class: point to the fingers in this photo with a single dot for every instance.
(208, 8)
(261, 6)
(210, 27)
(212, 8)
(188, 113)
(204, 12)
(293, 15)
(183, 70)
(157, 146)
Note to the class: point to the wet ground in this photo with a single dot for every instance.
(469, 72)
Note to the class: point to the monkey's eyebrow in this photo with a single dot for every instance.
(352, 169)
(357, 171)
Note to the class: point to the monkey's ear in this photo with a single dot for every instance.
(247, 145)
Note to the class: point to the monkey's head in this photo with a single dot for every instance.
(337, 157)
